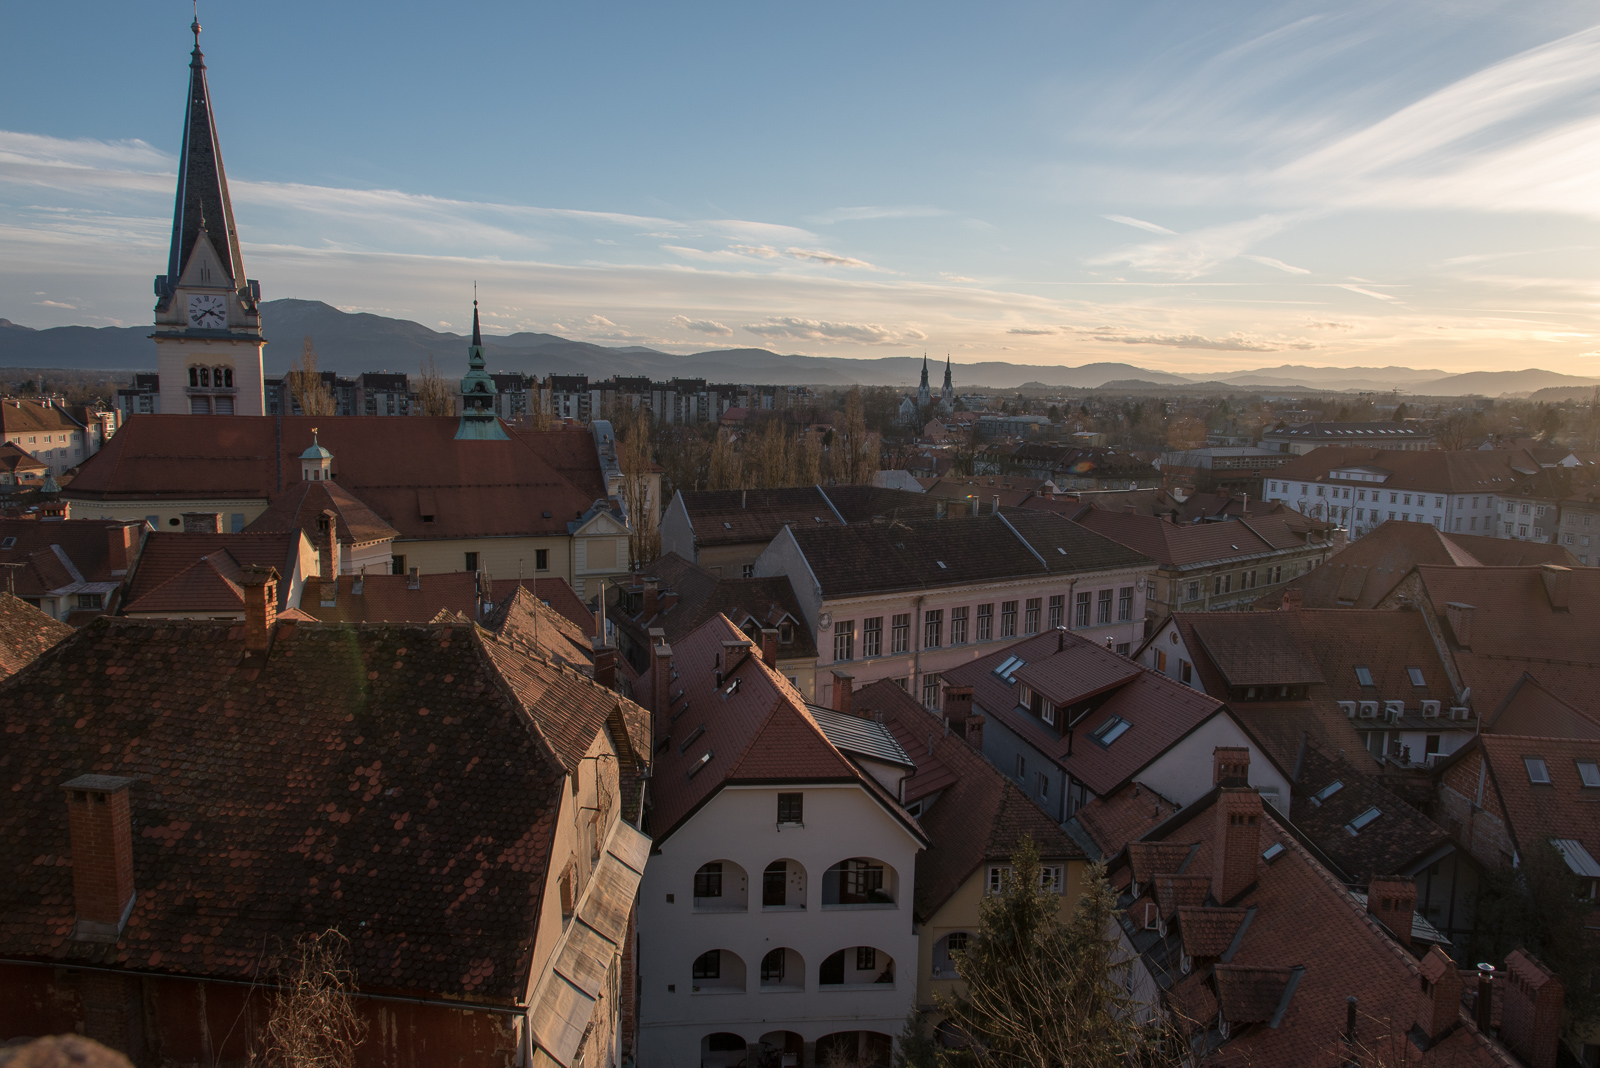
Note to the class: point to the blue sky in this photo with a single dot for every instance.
(1176, 185)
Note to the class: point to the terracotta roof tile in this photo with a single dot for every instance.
(1207, 932)
(1113, 822)
(300, 507)
(167, 555)
(1562, 808)
(1392, 843)
(25, 632)
(1183, 544)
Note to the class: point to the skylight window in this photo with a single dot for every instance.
(695, 768)
(941, 564)
(1326, 792)
(1589, 772)
(1272, 852)
(1361, 821)
(8, 543)
(1011, 672)
(1005, 666)
(694, 736)
(1364, 676)
(1537, 772)
(1416, 676)
(1060, 550)
(1109, 731)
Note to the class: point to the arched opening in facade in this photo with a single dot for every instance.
(723, 1049)
(860, 881)
(783, 969)
(855, 1049)
(783, 885)
(780, 1049)
(946, 950)
(858, 967)
(721, 886)
(717, 971)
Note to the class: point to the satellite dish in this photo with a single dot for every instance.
(1466, 696)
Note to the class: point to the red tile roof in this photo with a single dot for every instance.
(1176, 545)
(21, 416)
(1519, 629)
(301, 506)
(16, 460)
(976, 813)
(1112, 822)
(1160, 710)
(1393, 843)
(1435, 471)
(41, 544)
(701, 595)
(404, 776)
(1531, 709)
(173, 573)
(25, 632)
(756, 731)
(1305, 918)
(1363, 573)
(1563, 808)
(402, 469)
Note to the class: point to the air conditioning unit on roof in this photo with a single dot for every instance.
(1369, 709)
(1348, 708)
(1430, 709)
(1393, 710)
(1461, 712)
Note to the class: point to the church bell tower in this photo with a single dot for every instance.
(208, 321)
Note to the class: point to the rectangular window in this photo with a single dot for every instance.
(772, 967)
(472, 561)
(91, 600)
(1109, 731)
(541, 559)
(958, 626)
(236, 522)
(1589, 772)
(1102, 608)
(997, 876)
(1050, 880)
(1030, 619)
(930, 692)
(985, 622)
(1058, 611)
(1022, 767)
(872, 636)
(1537, 772)
(866, 959)
(397, 565)
(933, 628)
(1044, 786)
(1185, 672)
(844, 640)
(791, 808)
(748, 571)
(1125, 604)
(1161, 660)
(1008, 619)
(900, 633)
(1080, 610)
(1192, 591)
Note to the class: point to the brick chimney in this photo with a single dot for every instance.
(605, 664)
(1558, 586)
(260, 607)
(652, 592)
(328, 542)
(414, 579)
(119, 547)
(1392, 902)
(1294, 599)
(1229, 762)
(202, 522)
(843, 692)
(1237, 848)
(1459, 616)
(957, 704)
(1530, 1011)
(660, 671)
(1439, 1003)
(769, 646)
(102, 855)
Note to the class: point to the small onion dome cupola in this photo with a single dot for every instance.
(316, 463)
(477, 394)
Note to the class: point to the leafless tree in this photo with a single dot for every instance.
(638, 476)
(305, 384)
(434, 395)
(314, 1023)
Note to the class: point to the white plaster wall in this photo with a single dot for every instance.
(1183, 772)
(740, 825)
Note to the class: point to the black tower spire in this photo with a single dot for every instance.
(202, 186)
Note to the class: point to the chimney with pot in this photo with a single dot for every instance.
(769, 646)
(843, 691)
(119, 545)
(957, 704)
(1459, 616)
(202, 522)
(1230, 764)
(260, 607)
(414, 579)
(652, 589)
(605, 664)
(1294, 599)
(1392, 902)
(328, 543)
(1530, 1015)
(1237, 848)
(996, 509)
(101, 828)
(1439, 1004)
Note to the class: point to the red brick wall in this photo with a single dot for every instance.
(1531, 1012)
(1482, 831)
(102, 853)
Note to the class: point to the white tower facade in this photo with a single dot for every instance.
(207, 316)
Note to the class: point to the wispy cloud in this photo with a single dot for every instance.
(1128, 220)
(821, 330)
(1231, 343)
(1286, 268)
(909, 211)
(1202, 251)
(700, 326)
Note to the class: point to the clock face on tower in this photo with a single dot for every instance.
(208, 310)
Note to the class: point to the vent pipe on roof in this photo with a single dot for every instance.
(1483, 1006)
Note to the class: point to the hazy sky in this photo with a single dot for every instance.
(1188, 186)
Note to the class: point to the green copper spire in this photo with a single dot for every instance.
(477, 394)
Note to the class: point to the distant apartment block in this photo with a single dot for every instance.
(1300, 438)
